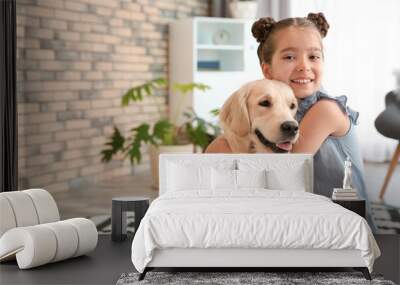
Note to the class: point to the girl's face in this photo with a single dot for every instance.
(297, 60)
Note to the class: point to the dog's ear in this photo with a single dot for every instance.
(234, 114)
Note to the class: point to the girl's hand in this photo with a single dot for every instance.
(324, 119)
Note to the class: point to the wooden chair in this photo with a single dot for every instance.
(388, 124)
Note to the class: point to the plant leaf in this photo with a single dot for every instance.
(136, 93)
(189, 87)
(161, 127)
(116, 143)
(215, 112)
(198, 135)
(160, 82)
(127, 96)
(139, 134)
(147, 89)
(164, 131)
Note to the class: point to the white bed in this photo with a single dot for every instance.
(257, 210)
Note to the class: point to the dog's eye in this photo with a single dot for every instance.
(292, 106)
(265, 103)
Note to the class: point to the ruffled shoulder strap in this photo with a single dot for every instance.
(342, 102)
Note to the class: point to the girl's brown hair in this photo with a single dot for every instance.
(265, 29)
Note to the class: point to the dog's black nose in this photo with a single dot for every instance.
(289, 128)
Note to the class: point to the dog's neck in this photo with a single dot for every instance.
(248, 143)
(258, 147)
(238, 144)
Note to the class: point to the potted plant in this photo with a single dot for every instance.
(243, 9)
(164, 136)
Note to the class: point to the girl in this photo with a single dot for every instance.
(291, 51)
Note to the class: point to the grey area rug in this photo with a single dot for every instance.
(387, 219)
(232, 278)
(103, 223)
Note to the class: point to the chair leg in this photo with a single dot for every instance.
(392, 166)
(364, 271)
(143, 274)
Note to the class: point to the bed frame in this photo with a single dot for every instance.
(246, 259)
(242, 259)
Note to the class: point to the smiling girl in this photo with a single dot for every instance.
(291, 51)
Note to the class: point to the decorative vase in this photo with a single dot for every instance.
(155, 151)
(243, 9)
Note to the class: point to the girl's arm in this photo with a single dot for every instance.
(219, 145)
(325, 118)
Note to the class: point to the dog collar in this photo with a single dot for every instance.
(267, 143)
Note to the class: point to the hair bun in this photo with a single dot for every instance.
(320, 22)
(261, 28)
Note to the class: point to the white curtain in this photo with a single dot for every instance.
(362, 50)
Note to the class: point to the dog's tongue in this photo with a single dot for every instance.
(285, 146)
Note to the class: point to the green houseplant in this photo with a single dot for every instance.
(193, 131)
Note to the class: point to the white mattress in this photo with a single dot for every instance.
(250, 219)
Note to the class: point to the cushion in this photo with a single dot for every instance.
(281, 174)
(188, 177)
(228, 179)
(6, 215)
(251, 178)
(278, 180)
(223, 179)
(40, 244)
(27, 208)
(45, 205)
(23, 208)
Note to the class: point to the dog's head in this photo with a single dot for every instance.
(263, 109)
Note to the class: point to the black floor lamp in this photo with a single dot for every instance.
(8, 100)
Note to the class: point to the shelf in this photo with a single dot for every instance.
(219, 52)
(217, 33)
(220, 47)
(220, 71)
(220, 59)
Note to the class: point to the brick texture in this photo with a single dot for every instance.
(75, 59)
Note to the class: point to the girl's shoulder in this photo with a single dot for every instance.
(333, 105)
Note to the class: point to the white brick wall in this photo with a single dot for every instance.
(75, 59)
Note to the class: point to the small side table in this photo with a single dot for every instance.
(357, 206)
(120, 205)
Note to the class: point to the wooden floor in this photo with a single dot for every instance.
(90, 199)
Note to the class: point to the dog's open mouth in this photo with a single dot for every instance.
(280, 147)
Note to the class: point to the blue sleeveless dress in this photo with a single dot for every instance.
(329, 159)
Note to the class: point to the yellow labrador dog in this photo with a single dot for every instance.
(259, 117)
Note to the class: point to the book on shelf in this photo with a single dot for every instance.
(341, 190)
(208, 65)
(344, 194)
(345, 198)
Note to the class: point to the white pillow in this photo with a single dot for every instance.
(223, 179)
(282, 174)
(251, 178)
(280, 180)
(188, 177)
(228, 179)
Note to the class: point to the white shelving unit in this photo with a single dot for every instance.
(219, 52)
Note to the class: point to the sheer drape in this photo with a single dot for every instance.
(8, 108)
